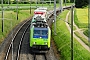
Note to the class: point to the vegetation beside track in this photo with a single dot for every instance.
(11, 21)
(62, 41)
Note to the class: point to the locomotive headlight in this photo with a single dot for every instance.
(34, 43)
(45, 42)
(40, 37)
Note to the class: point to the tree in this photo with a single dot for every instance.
(67, 1)
(81, 3)
(71, 1)
(86, 2)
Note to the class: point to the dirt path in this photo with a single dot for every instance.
(77, 29)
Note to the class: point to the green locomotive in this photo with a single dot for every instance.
(40, 35)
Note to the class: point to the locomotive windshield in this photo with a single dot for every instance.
(40, 33)
(44, 32)
(36, 32)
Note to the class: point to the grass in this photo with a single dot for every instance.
(81, 17)
(62, 41)
(11, 21)
(86, 33)
(82, 38)
(80, 53)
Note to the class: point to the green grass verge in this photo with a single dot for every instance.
(11, 21)
(62, 41)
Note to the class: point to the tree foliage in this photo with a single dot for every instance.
(81, 3)
(71, 1)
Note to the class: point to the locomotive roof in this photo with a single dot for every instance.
(39, 18)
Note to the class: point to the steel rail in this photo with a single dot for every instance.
(20, 43)
(8, 51)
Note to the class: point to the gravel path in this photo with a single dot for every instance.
(77, 29)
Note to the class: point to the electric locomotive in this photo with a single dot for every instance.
(40, 35)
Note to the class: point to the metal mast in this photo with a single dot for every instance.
(89, 23)
(36, 4)
(2, 16)
(55, 17)
(8, 2)
(72, 32)
(17, 9)
(60, 5)
(50, 3)
(42, 3)
(30, 6)
(65, 2)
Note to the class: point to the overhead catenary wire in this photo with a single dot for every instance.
(72, 32)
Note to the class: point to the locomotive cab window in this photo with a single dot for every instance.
(40, 33)
(44, 32)
(36, 32)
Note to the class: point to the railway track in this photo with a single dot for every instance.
(39, 57)
(17, 41)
